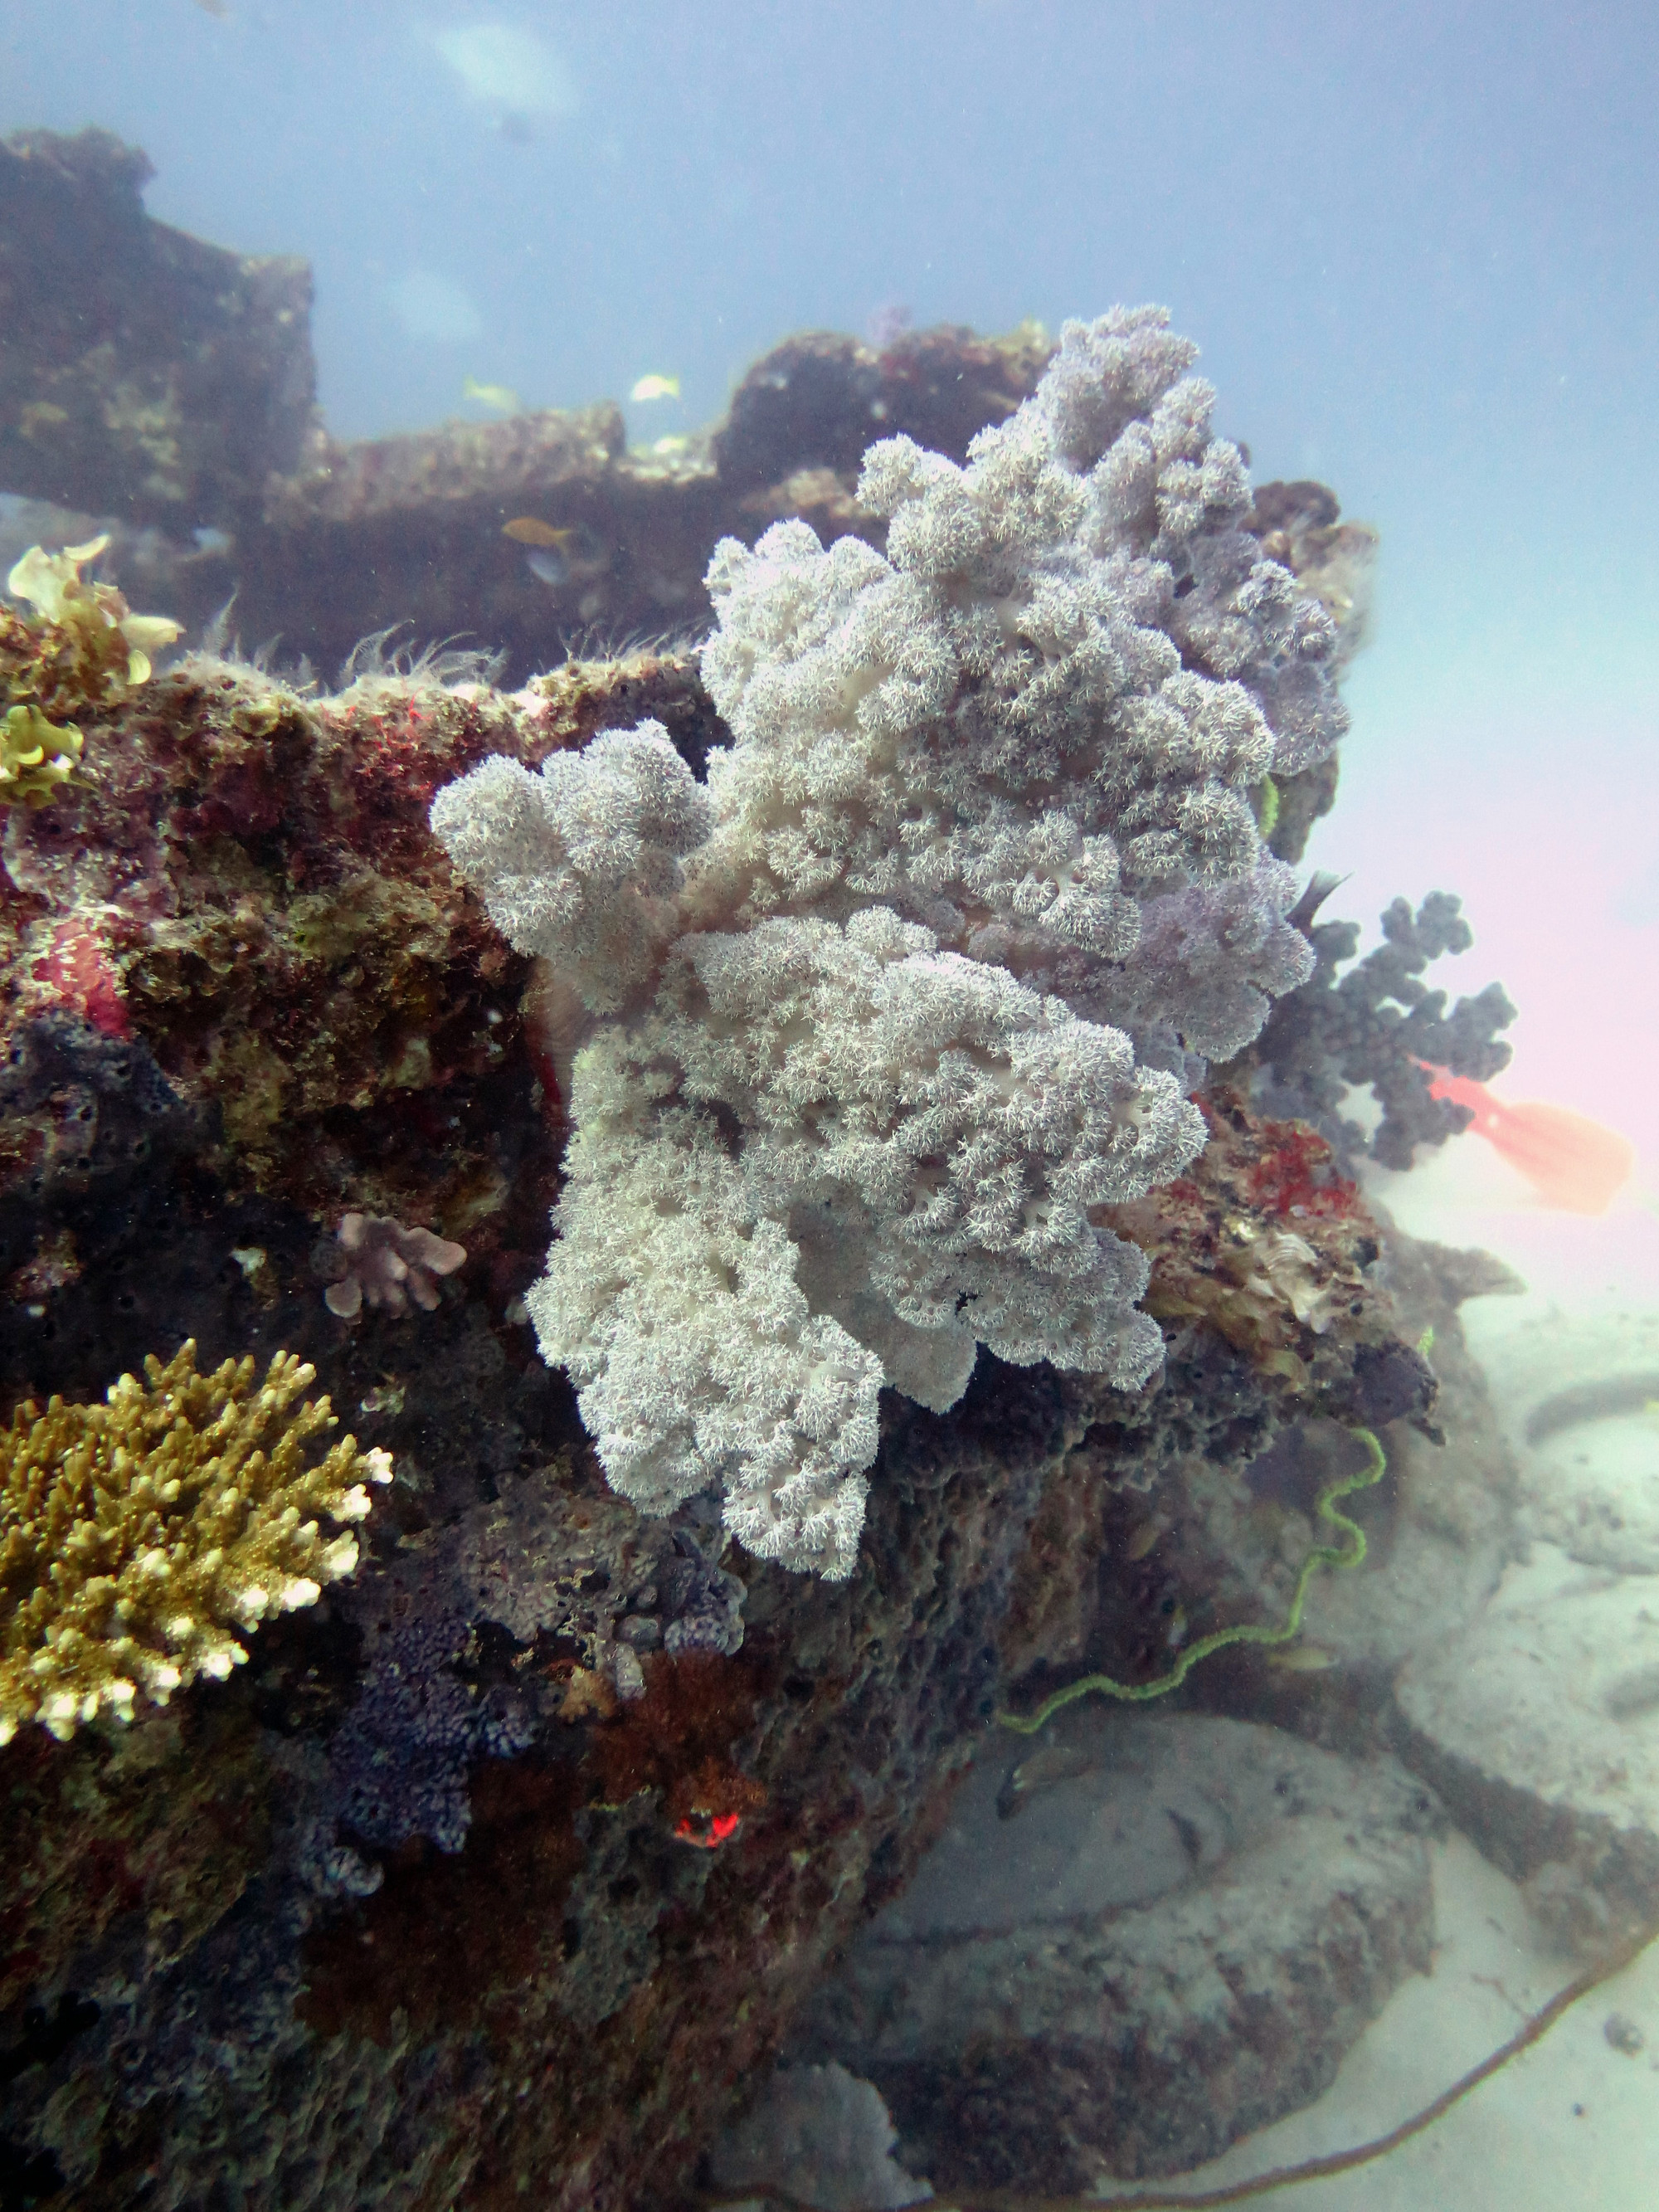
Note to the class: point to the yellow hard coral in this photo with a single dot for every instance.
(137, 1536)
(81, 651)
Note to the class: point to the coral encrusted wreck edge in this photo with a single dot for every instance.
(878, 1018)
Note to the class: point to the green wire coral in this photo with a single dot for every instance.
(1351, 1553)
(138, 1536)
(79, 651)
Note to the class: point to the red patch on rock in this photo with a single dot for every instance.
(77, 969)
(1297, 1175)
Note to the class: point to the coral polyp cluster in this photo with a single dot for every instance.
(243, 878)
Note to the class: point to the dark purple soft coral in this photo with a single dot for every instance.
(387, 1265)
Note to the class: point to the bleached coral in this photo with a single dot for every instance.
(921, 977)
(139, 1539)
(923, 1138)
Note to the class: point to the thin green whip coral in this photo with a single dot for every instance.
(1323, 1555)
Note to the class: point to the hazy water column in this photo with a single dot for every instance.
(1416, 244)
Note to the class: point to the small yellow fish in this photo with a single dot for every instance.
(502, 396)
(1142, 1541)
(656, 387)
(530, 530)
(1302, 1659)
(1055, 1762)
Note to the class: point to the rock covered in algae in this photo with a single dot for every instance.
(144, 372)
(1539, 1725)
(244, 993)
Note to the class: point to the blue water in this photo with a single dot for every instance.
(1417, 244)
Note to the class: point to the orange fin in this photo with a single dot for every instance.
(1572, 1163)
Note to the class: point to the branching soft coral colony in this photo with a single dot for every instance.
(925, 973)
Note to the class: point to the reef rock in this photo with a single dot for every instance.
(1133, 1943)
(145, 375)
(545, 1791)
(1539, 1726)
(1577, 1395)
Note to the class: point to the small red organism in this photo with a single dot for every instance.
(76, 969)
(706, 1806)
(681, 1738)
(708, 1832)
(1297, 1175)
(396, 769)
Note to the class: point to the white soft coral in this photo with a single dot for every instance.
(918, 979)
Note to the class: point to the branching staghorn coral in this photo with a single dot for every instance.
(920, 977)
(81, 651)
(138, 1537)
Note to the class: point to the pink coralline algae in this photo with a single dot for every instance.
(387, 1265)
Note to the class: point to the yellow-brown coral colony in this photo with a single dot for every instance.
(138, 1537)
